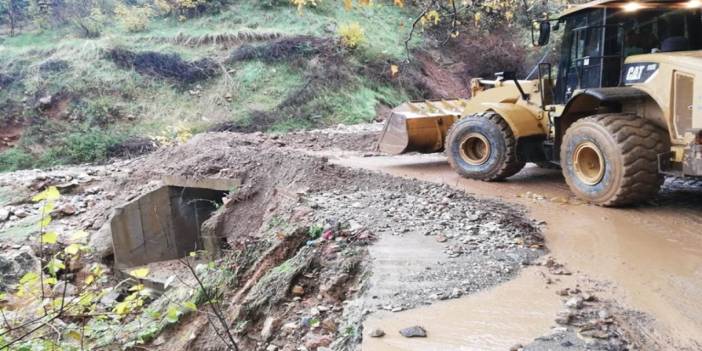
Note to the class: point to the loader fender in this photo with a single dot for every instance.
(522, 121)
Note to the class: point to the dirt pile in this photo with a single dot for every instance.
(167, 66)
(304, 242)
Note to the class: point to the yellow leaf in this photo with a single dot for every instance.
(394, 70)
(122, 308)
(73, 249)
(89, 279)
(79, 235)
(30, 277)
(49, 238)
(140, 273)
(50, 194)
(45, 221)
(190, 306)
(48, 207)
(400, 3)
(138, 287)
(74, 335)
(348, 4)
(51, 281)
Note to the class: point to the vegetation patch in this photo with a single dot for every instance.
(281, 49)
(169, 66)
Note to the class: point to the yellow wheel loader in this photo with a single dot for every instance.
(624, 109)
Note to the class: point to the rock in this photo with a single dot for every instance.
(20, 213)
(413, 332)
(575, 302)
(272, 347)
(4, 214)
(71, 289)
(377, 333)
(564, 317)
(45, 101)
(15, 264)
(269, 325)
(298, 290)
(68, 209)
(516, 347)
(110, 298)
(441, 238)
(101, 241)
(314, 341)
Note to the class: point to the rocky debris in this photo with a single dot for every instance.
(4, 214)
(376, 333)
(303, 294)
(585, 324)
(14, 264)
(413, 332)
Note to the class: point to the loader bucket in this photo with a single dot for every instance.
(419, 126)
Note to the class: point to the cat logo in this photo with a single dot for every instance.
(634, 73)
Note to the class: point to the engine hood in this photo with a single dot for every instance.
(684, 59)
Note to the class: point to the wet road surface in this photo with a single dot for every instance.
(652, 254)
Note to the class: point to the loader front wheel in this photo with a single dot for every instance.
(482, 147)
(612, 159)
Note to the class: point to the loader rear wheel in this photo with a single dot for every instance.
(483, 147)
(612, 159)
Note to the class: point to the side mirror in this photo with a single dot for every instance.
(544, 33)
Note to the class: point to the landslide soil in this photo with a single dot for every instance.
(384, 243)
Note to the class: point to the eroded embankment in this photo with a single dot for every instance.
(308, 248)
(308, 224)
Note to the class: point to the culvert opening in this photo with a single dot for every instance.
(165, 224)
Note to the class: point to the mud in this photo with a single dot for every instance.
(650, 253)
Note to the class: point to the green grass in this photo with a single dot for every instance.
(103, 95)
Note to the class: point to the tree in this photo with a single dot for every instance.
(13, 12)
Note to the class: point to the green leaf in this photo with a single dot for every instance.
(140, 273)
(49, 238)
(189, 305)
(54, 266)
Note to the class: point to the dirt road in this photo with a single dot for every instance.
(652, 255)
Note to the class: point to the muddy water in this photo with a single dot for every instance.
(495, 319)
(652, 253)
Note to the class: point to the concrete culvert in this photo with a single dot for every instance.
(165, 224)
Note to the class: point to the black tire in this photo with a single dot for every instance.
(548, 165)
(500, 159)
(628, 147)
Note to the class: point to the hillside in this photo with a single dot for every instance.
(66, 99)
(67, 96)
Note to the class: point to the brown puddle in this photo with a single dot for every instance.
(494, 319)
(652, 254)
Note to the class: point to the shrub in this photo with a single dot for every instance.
(89, 145)
(134, 18)
(14, 159)
(352, 35)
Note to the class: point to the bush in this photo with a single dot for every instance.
(134, 18)
(352, 35)
(14, 159)
(90, 145)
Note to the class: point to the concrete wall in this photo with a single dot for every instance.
(161, 225)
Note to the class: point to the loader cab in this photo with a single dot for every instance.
(597, 40)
